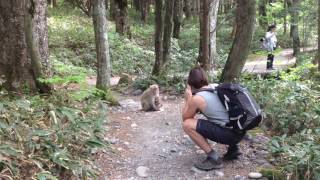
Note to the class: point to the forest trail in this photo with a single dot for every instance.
(155, 140)
(257, 64)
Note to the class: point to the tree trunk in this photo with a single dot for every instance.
(263, 21)
(177, 18)
(102, 45)
(163, 34)
(158, 36)
(112, 10)
(203, 58)
(54, 3)
(318, 51)
(23, 30)
(187, 8)
(319, 35)
(285, 17)
(121, 19)
(136, 4)
(234, 29)
(167, 32)
(241, 45)
(144, 8)
(213, 17)
(293, 6)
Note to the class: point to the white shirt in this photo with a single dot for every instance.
(271, 39)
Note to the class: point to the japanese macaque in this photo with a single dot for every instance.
(150, 99)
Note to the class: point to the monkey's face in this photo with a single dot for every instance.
(155, 88)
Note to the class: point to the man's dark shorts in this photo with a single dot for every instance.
(216, 133)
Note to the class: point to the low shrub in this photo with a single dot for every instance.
(49, 137)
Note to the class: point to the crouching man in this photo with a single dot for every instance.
(213, 128)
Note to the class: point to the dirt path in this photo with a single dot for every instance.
(283, 60)
(257, 64)
(155, 140)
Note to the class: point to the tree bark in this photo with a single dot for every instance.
(23, 30)
(102, 45)
(112, 10)
(121, 16)
(177, 18)
(241, 45)
(213, 17)
(293, 6)
(203, 58)
(136, 4)
(163, 34)
(167, 32)
(285, 29)
(144, 9)
(187, 8)
(158, 36)
(318, 51)
(263, 21)
(54, 3)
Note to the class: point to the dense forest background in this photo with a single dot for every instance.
(60, 59)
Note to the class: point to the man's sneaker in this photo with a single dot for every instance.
(232, 153)
(209, 164)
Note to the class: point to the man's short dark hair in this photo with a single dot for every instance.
(197, 78)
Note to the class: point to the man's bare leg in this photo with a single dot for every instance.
(189, 126)
(212, 161)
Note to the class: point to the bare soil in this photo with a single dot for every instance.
(156, 140)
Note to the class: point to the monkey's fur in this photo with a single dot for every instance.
(150, 99)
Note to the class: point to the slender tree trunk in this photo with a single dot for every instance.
(158, 36)
(241, 45)
(293, 6)
(136, 4)
(144, 9)
(213, 17)
(318, 51)
(203, 58)
(112, 10)
(121, 19)
(285, 17)
(234, 29)
(177, 18)
(319, 35)
(23, 45)
(263, 21)
(167, 32)
(54, 3)
(102, 45)
(187, 8)
(163, 34)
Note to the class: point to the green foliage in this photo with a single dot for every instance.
(129, 57)
(299, 154)
(49, 136)
(292, 106)
(273, 174)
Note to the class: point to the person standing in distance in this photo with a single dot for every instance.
(271, 44)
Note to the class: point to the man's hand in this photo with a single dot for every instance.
(188, 93)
